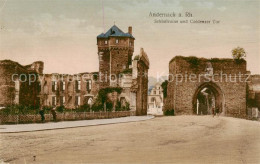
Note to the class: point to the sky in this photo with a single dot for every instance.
(62, 33)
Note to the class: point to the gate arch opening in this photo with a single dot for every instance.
(208, 96)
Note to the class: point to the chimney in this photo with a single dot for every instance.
(130, 30)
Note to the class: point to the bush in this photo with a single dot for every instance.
(83, 108)
(169, 112)
(102, 99)
(46, 109)
(109, 106)
(126, 107)
(97, 106)
(19, 109)
(118, 106)
(60, 109)
(194, 61)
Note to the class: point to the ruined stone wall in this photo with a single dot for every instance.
(36, 67)
(20, 92)
(181, 94)
(69, 91)
(141, 83)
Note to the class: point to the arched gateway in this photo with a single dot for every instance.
(208, 95)
(196, 85)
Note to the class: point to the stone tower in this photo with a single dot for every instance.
(115, 51)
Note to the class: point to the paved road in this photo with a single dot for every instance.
(68, 124)
(180, 139)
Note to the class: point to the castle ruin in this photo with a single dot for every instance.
(116, 69)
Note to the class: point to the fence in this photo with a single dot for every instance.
(66, 116)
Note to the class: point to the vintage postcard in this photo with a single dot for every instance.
(129, 81)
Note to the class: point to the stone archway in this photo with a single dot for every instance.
(217, 94)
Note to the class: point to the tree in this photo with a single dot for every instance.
(164, 87)
(238, 53)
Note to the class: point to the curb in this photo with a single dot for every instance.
(148, 117)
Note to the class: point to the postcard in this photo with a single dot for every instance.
(129, 81)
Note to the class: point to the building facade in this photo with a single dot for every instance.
(70, 91)
(155, 100)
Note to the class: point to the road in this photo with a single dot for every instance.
(179, 139)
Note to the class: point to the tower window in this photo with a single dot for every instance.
(105, 41)
(117, 41)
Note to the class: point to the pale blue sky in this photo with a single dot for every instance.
(62, 33)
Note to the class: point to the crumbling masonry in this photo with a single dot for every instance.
(116, 69)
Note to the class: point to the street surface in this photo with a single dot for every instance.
(179, 139)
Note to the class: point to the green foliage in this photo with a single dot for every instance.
(83, 108)
(238, 53)
(194, 61)
(126, 107)
(60, 109)
(118, 106)
(169, 112)
(215, 60)
(109, 106)
(18, 109)
(164, 87)
(97, 106)
(239, 61)
(102, 94)
(47, 109)
(221, 60)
